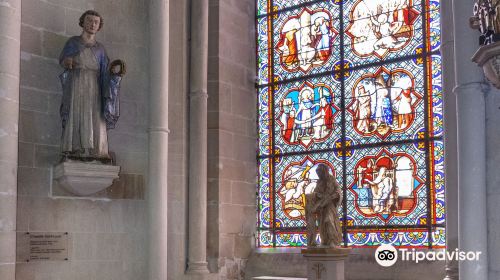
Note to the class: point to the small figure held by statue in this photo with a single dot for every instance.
(321, 210)
(91, 89)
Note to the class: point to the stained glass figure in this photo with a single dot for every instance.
(355, 85)
(307, 114)
(380, 26)
(306, 40)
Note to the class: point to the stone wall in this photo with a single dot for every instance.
(232, 130)
(108, 233)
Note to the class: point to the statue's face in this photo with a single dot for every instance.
(91, 24)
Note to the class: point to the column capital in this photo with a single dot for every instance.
(481, 87)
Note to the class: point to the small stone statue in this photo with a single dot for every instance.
(321, 209)
(487, 20)
(91, 87)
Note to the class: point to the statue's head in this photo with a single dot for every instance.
(322, 171)
(91, 21)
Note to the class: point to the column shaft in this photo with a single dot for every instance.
(10, 30)
(158, 139)
(197, 246)
(450, 135)
(471, 120)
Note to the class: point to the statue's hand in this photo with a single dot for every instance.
(474, 22)
(68, 63)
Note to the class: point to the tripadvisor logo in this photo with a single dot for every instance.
(387, 255)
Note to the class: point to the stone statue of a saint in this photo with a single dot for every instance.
(321, 210)
(91, 87)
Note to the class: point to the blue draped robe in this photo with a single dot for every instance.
(109, 84)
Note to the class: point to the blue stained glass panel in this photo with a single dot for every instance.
(437, 95)
(307, 115)
(262, 7)
(283, 4)
(264, 122)
(387, 186)
(295, 177)
(264, 194)
(263, 66)
(439, 188)
(397, 238)
(265, 239)
(279, 5)
(291, 239)
(385, 103)
(438, 238)
(435, 25)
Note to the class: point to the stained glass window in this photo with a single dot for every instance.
(355, 85)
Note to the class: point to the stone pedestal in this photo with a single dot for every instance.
(85, 178)
(326, 263)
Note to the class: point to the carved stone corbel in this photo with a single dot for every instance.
(486, 19)
(488, 57)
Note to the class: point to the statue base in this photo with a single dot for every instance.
(325, 263)
(85, 178)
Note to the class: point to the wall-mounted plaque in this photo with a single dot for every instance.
(43, 246)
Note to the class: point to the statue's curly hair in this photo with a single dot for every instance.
(322, 171)
(325, 177)
(91, 13)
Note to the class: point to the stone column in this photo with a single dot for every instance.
(10, 33)
(158, 138)
(197, 245)
(470, 90)
(450, 135)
